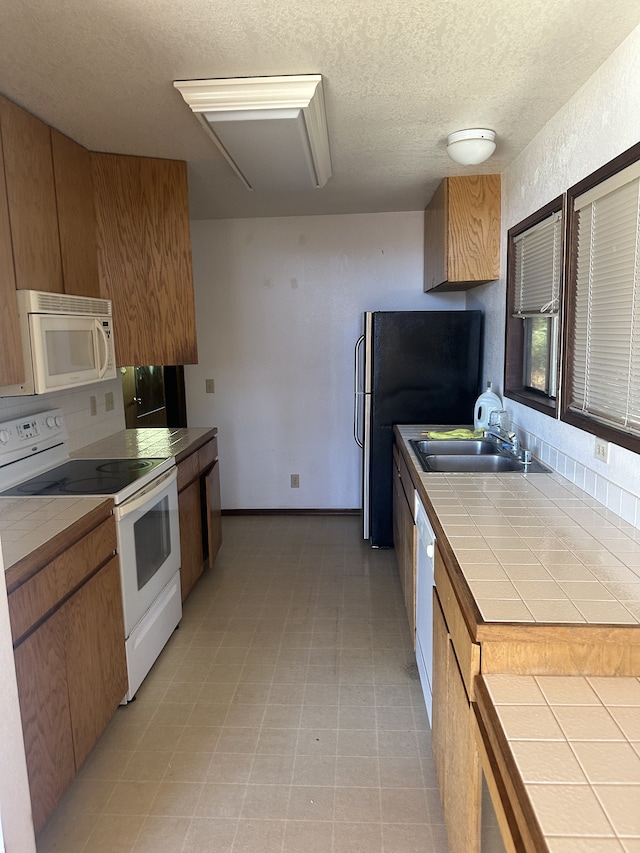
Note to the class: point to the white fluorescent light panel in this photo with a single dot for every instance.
(272, 130)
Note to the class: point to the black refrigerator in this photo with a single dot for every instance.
(411, 367)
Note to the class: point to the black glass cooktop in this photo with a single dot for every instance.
(85, 477)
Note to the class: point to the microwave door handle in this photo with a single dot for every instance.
(103, 367)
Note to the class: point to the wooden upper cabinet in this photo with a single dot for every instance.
(462, 233)
(31, 198)
(144, 257)
(76, 215)
(11, 364)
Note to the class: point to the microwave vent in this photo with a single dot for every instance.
(43, 302)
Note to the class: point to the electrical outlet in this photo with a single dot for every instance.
(602, 450)
(109, 404)
(93, 406)
(295, 481)
(210, 386)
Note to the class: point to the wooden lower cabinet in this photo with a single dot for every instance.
(453, 742)
(404, 540)
(70, 665)
(440, 690)
(192, 562)
(96, 669)
(200, 511)
(41, 672)
(213, 509)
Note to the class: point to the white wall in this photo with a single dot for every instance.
(599, 122)
(279, 308)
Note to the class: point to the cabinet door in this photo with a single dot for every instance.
(462, 767)
(191, 546)
(213, 508)
(11, 364)
(76, 215)
(144, 257)
(96, 663)
(440, 693)
(435, 239)
(32, 199)
(44, 707)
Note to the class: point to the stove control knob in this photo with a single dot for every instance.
(59, 421)
(4, 436)
(51, 422)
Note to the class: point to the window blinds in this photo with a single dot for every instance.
(538, 268)
(605, 356)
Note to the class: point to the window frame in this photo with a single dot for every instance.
(514, 362)
(578, 419)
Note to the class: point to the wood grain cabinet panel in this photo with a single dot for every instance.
(41, 672)
(462, 767)
(404, 538)
(462, 233)
(96, 662)
(11, 363)
(213, 509)
(440, 691)
(31, 197)
(70, 665)
(76, 216)
(453, 742)
(191, 547)
(144, 257)
(200, 510)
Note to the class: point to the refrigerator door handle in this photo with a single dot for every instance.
(357, 393)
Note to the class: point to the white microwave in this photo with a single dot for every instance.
(67, 341)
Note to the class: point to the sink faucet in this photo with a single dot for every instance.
(504, 436)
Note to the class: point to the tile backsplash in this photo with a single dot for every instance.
(83, 426)
(621, 502)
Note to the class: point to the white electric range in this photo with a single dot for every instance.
(35, 462)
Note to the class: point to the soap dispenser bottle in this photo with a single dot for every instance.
(486, 403)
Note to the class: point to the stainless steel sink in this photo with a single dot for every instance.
(473, 456)
(455, 446)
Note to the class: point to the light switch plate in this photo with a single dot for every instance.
(210, 386)
(93, 406)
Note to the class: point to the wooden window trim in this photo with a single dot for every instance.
(581, 421)
(514, 328)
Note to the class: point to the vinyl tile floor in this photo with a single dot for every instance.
(285, 714)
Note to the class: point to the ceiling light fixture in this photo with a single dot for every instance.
(272, 130)
(471, 147)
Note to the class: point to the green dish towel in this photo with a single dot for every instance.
(455, 433)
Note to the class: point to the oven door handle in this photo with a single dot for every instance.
(146, 495)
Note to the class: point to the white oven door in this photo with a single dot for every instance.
(149, 545)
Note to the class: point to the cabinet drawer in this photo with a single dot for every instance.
(188, 470)
(29, 603)
(467, 652)
(207, 454)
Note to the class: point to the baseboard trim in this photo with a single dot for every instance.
(291, 511)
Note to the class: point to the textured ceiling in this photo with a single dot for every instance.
(399, 75)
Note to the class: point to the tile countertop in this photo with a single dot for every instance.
(535, 547)
(28, 523)
(152, 441)
(575, 743)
